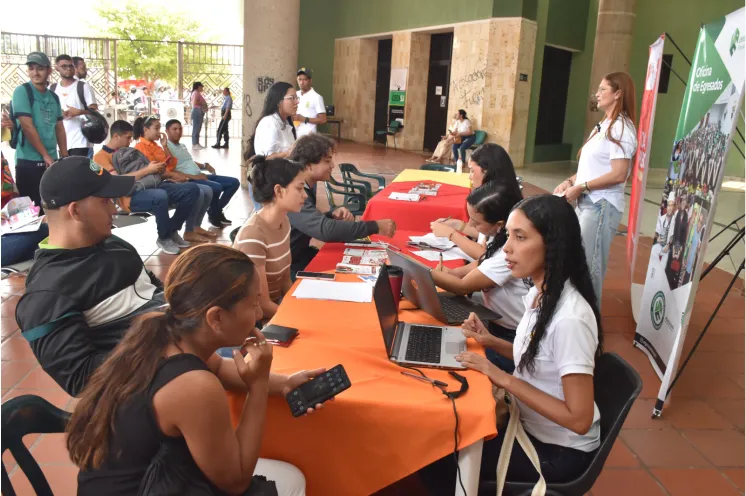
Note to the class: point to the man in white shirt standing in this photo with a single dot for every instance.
(311, 109)
(70, 91)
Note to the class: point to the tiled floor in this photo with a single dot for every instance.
(696, 448)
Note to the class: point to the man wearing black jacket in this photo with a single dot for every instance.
(315, 151)
(85, 286)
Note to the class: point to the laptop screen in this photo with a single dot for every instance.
(388, 314)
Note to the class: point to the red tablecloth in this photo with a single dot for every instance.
(331, 253)
(417, 216)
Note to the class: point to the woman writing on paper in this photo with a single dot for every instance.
(490, 162)
(604, 163)
(489, 207)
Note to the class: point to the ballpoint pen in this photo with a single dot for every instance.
(446, 219)
(425, 379)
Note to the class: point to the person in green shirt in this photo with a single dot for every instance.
(223, 187)
(39, 115)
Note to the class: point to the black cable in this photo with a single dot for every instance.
(455, 430)
(668, 36)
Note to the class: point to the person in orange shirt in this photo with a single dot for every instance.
(148, 131)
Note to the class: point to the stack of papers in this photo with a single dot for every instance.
(355, 256)
(433, 241)
(366, 270)
(404, 197)
(357, 292)
(426, 189)
(434, 256)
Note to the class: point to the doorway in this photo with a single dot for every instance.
(439, 75)
(550, 122)
(383, 76)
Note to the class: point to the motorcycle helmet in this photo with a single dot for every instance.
(94, 127)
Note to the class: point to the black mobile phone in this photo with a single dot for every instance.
(279, 335)
(315, 275)
(318, 390)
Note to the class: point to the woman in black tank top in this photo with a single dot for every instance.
(158, 403)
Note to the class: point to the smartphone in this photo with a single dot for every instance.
(318, 390)
(279, 335)
(315, 275)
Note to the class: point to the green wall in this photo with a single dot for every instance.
(322, 21)
(533, 104)
(681, 19)
(566, 23)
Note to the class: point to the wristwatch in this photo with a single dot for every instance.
(306, 120)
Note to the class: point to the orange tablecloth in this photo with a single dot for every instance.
(386, 426)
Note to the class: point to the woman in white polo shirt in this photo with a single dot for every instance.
(274, 133)
(604, 163)
(555, 348)
(489, 207)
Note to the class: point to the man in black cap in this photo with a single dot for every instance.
(85, 286)
(311, 109)
(39, 115)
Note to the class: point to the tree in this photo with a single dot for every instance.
(152, 52)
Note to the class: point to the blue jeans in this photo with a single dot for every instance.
(197, 214)
(598, 223)
(184, 196)
(466, 142)
(223, 189)
(503, 363)
(197, 116)
(19, 247)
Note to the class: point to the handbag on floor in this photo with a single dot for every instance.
(516, 432)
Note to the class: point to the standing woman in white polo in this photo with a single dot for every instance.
(604, 163)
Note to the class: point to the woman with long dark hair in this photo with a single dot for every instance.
(463, 137)
(278, 185)
(489, 207)
(490, 162)
(159, 400)
(556, 344)
(274, 133)
(199, 107)
(604, 163)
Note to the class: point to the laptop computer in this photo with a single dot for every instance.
(415, 345)
(419, 288)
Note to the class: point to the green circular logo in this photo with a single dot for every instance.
(658, 310)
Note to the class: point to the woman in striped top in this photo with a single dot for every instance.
(265, 237)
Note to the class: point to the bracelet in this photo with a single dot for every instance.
(585, 187)
(451, 235)
(463, 225)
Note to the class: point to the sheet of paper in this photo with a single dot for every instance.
(404, 197)
(434, 256)
(369, 279)
(460, 253)
(431, 239)
(32, 225)
(357, 292)
(343, 268)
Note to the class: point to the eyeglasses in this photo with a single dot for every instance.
(292, 98)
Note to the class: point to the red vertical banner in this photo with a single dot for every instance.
(640, 169)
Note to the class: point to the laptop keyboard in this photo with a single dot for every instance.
(455, 312)
(424, 344)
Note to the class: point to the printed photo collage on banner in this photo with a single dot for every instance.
(709, 115)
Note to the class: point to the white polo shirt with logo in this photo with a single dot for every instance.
(69, 99)
(311, 104)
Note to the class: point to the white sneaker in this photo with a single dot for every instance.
(179, 241)
(459, 166)
(168, 246)
(198, 147)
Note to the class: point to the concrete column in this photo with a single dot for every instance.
(612, 48)
(270, 54)
(355, 65)
(412, 52)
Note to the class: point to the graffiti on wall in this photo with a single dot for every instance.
(469, 88)
(263, 83)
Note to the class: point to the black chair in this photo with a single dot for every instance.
(28, 414)
(438, 167)
(616, 385)
(354, 197)
(394, 127)
(349, 170)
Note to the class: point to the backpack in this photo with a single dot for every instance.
(127, 160)
(16, 132)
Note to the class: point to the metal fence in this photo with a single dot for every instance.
(215, 66)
